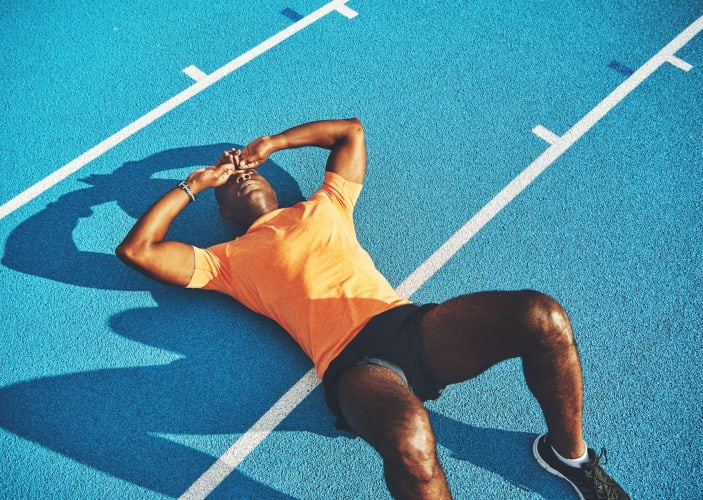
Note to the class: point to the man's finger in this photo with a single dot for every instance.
(250, 164)
(225, 158)
(227, 167)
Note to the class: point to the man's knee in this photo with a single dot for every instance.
(547, 321)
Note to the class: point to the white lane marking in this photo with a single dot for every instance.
(248, 441)
(195, 73)
(346, 11)
(679, 63)
(291, 399)
(546, 135)
(96, 151)
(433, 263)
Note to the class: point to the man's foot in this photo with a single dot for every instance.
(589, 480)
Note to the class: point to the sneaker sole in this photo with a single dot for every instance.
(549, 469)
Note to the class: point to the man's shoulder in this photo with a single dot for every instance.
(343, 191)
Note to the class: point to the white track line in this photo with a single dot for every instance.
(545, 134)
(347, 12)
(195, 73)
(229, 461)
(680, 63)
(96, 151)
(248, 441)
(557, 148)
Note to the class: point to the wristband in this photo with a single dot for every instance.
(186, 188)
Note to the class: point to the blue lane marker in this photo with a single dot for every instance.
(291, 14)
(621, 68)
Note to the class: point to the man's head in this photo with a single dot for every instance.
(245, 197)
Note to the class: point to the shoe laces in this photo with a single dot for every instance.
(602, 455)
(604, 486)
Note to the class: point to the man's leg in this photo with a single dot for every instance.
(469, 334)
(381, 409)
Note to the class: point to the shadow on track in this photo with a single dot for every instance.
(151, 425)
(121, 421)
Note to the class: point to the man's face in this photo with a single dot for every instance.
(245, 196)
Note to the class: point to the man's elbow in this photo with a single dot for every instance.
(134, 256)
(355, 127)
(128, 253)
(352, 132)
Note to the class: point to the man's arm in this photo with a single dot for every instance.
(345, 139)
(144, 248)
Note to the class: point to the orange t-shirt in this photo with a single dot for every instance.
(304, 268)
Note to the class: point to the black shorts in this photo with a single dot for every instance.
(392, 336)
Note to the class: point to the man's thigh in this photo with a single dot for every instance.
(380, 407)
(467, 335)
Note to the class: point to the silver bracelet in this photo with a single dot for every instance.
(185, 187)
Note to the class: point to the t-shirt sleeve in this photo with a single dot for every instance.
(207, 269)
(345, 192)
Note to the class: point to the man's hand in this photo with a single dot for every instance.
(214, 175)
(257, 152)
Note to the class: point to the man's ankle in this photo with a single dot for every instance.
(573, 462)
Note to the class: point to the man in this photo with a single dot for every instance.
(379, 355)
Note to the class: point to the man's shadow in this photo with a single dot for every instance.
(135, 423)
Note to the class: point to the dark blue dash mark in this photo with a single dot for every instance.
(621, 68)
(291, 14)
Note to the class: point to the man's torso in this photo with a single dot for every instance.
(304, 268)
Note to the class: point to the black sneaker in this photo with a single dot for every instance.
(589, 480)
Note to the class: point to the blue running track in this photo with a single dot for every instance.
(553, 145)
